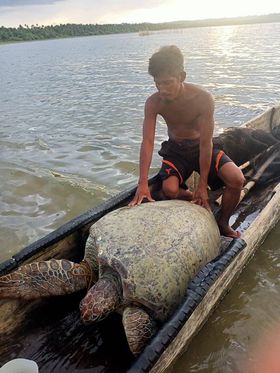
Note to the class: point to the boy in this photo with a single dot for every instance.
(188, 111)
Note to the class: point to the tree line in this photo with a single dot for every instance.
(37, 32)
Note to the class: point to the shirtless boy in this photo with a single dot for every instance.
(188, 111)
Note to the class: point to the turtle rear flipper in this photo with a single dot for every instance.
(139, 328)
(45, 278)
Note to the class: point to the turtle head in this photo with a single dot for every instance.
(102, 298)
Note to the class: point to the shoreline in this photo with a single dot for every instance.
(65, 31)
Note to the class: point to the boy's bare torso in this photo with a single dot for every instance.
(182, 115)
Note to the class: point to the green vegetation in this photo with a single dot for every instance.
(36, 32)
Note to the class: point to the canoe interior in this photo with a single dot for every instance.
(50, 332)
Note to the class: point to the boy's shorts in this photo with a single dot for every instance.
(180, 159)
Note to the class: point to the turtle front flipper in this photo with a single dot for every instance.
(102, 298)
(139, 328)
(46, 278)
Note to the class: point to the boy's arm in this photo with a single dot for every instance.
(206, 124)
(146, 153)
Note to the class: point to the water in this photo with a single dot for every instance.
(71, 115)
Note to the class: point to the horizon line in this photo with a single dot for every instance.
(153, 23)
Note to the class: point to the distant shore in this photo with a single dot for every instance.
(37, 32)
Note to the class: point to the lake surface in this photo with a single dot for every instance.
(71, 115)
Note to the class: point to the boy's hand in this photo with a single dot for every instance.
(142, 192)
(200, 197)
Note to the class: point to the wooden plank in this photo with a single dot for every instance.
(253, 236)
(263, 120)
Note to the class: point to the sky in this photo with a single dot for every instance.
(46, 12)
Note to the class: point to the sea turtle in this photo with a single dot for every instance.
(139, 260)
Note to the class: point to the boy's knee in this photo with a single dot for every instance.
(237, 182)
(170, 191)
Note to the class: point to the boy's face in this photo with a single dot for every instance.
(168, 86)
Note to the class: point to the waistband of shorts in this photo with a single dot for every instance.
(185, 142)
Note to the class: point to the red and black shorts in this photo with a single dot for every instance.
(182, 158)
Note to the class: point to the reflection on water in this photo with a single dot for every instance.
(71, 113)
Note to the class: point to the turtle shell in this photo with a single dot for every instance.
(156, 248)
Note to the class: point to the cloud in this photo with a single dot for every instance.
(19, 3)
(110, 11)
(15, 12)
(121, 4)
(45, 12)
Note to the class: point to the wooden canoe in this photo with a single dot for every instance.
(49, 331)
